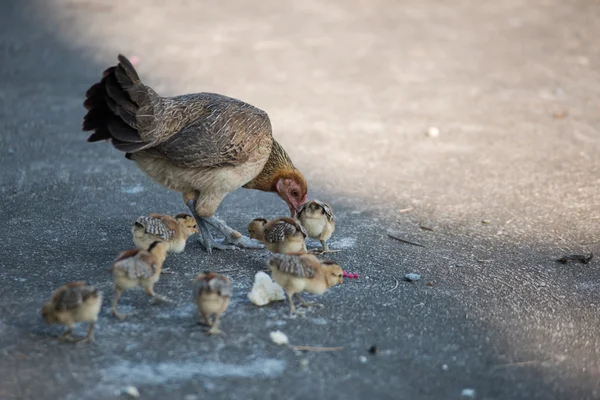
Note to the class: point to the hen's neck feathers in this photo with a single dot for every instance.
(278, 166)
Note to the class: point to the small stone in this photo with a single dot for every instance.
(304, 363)
(429, 283)
(362, 359)
(11, 150)
(373, 349)
(470, 393)
(444, 367)
(132, 391)
(412, 277)
(433, 132)
(485, 221)
(459, 265)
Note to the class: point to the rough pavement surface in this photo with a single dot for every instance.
(351, 87)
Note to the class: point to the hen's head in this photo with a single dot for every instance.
(292, 188)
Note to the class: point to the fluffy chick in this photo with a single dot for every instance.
(212, 292)
(174, 231)
(282, 235)
(138, 267)
(72, 303)
(319, 221)
(299, 272)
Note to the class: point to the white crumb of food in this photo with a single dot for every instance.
(264, 290)
(362, 359)
(133, 189)
(279, 338)
(433, 132)
(132, 391)
(470, 393)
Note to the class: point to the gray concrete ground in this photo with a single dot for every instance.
(351, 88)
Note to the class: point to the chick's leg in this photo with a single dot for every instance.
(214, 328)
(293, 310)
(90, 335)
(206, 239)
(67, 335)
(305, 303)
(115, 301)
(156, 298)
(324, 249)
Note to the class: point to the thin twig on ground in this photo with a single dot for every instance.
(405, 241)
(315, 349)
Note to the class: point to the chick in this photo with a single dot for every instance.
(319, 221)
(282, 235)
(72, 303)
(299, 272)
(137, 267)
(174, 231)
(212, 292)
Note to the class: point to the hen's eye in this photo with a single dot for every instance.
(295, 193)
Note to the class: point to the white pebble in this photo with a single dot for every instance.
(362, 359)
(445, 367)
(132, 391)
(468, 393)
(433, 132)
(412, 277)
(279, 338)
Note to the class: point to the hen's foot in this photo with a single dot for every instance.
(232, 236)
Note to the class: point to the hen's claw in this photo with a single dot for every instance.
(233, 239)
(232, 236)
(245, 242)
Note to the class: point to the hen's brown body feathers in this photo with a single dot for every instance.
(72, 303)
(282, 235)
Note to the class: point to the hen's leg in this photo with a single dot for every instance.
(232, 236)
(207, 240)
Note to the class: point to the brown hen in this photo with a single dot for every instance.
(202, 145)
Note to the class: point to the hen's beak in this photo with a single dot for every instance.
(292, 210)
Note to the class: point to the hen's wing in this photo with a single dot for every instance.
(155, 227)
(196, 130)
(73, 295)
(300, 266)
(225, 131)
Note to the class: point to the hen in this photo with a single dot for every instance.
(202, 145)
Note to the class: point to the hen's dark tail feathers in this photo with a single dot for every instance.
(112, 105)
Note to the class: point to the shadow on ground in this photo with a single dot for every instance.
(500, 316)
